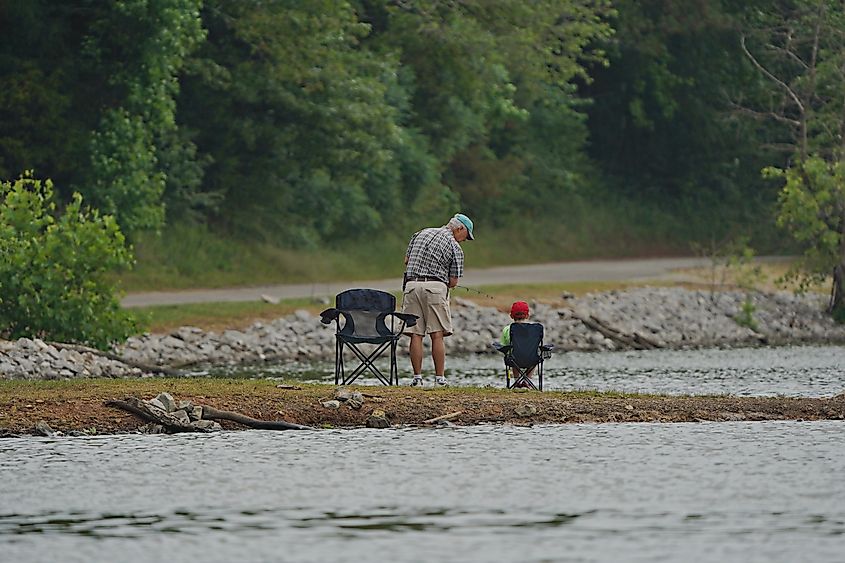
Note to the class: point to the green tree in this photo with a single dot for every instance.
(477, 73)
(43, 90)
(662, 123)
(65, 67)
(302, 123)
(798, 48)
(136, 149)
(53, 272)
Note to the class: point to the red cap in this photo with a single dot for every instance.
(519, 310)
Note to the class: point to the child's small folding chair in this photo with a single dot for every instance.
(524, 356)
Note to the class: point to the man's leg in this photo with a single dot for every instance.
(415, 350)
(438, 352)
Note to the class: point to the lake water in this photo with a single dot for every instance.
(806, 371)
(726, 492)
(743, 492)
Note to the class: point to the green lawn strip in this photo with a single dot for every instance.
(142, 387)
(218, 316)
(31, 391)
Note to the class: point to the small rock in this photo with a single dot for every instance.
(342, 394)
(378, 419)
(151, 428)
(181, 416)
(526, 410)
(333, 404)
(207, 425)
(186, 406)
(167, 400)
(155, 403)
(44, 429)
(629, 407)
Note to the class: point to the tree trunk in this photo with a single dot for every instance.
(836, 307)
(837, 292)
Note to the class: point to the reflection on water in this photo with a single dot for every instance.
(768, 491)
(808, 371)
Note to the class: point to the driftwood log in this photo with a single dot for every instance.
(209, 413)
(172, 424)
(444, 417)
(635, 340)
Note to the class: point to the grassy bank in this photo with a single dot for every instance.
(190, 256)
(78, 406)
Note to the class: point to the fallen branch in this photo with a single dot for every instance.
(449, 416)
(147, 368)
(648, 342)
(637, 341)
(142, 410)
(214, 414)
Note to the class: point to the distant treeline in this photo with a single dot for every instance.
(306, 122)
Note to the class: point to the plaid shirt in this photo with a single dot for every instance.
(435, 252)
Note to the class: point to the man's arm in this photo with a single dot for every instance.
(453, 282)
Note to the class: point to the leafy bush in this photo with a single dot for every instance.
(53, 281)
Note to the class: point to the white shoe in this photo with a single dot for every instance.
(417, 382)
(440, 380)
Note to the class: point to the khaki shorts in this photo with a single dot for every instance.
(429, 300)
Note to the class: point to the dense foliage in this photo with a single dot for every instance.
(53, 281)
(310, 123)
(798, 49)
(304, 123)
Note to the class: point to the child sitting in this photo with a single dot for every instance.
(519, 314)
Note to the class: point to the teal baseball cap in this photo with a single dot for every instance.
(467, 223)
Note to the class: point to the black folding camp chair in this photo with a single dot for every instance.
(366, 316)
(525, 353)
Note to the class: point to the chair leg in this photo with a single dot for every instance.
(394, 368)
(338, 357)
(540, 374)
(367, 363)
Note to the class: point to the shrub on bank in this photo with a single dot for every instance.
(53, 282)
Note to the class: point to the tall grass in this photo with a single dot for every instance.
(190, 256)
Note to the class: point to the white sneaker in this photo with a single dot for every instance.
(417, 381)
(440, 380)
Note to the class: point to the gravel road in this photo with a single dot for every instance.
(590, 270)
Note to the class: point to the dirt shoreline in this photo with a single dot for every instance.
(78, 407)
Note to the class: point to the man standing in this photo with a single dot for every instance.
(434, 262)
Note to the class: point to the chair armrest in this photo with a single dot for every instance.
(407, 318)
(329, 315)
(503, 348)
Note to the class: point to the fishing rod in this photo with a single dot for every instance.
(487, 295)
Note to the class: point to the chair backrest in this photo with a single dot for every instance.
(364, 311)
(526, 339)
